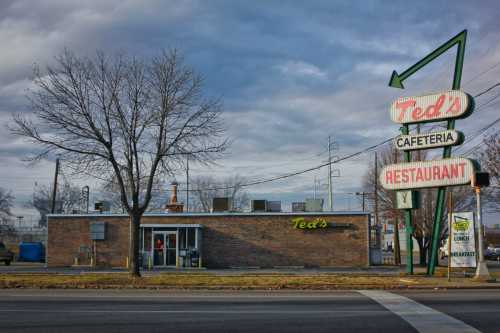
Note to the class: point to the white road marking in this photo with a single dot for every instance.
(199, 311)
(263, 296)
(421, 317)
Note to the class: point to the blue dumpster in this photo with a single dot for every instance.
(31, 251)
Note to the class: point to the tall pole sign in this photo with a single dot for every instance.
(443, 106)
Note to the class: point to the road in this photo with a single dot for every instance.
(166, 311)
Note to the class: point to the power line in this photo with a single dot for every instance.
(292, 174)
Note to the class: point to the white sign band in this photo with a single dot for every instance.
(436, 107)
(446, 172)
(428, 140)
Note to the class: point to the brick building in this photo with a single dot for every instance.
(213, 240)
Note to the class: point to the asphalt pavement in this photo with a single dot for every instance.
(277, 311)
(25, 267)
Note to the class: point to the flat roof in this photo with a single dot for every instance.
(184, 214)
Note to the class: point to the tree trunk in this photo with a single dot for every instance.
(397, 252)
(421, 251)
(135, 222)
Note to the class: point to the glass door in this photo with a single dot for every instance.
(164, 248)
(170, 249)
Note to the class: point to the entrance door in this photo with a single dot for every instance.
(164, 248)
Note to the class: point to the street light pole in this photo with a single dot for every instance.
(330, 190)
(482, 272)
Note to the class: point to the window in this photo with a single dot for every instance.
(191, 238)
(147, 239)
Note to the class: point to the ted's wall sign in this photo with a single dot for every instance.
(435, 107)
(317, 223)
(446, 172)
(428, 140)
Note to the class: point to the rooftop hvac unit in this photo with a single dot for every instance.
(259, 205)
(314, 205)
(298, 206)
(221, 204)
(102, 206)
(274, 206)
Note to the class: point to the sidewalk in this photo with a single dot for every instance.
(36, 268)
(242, 279)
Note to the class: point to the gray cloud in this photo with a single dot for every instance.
(289, 73)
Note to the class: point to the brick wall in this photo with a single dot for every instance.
(67, 236)
(227, 240)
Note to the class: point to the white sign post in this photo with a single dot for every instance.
(463, 245)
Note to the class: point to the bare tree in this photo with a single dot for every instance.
(68, 199)
(423, 217)
(118, 116)
(6, 203)
(109, 190)
(206, 188)
(490, 162)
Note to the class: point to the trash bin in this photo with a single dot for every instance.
(31, 252)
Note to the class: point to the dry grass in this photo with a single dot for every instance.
(211, 281)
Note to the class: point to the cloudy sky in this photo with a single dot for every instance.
(290, 73)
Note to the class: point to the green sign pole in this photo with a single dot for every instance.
(436, 227)
(407, 215)
(397, 82)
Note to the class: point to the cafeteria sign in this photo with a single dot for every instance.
(463, 246)
(428, 140)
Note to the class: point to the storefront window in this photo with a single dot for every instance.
(182, 238)
(147, 239)
(191, 238)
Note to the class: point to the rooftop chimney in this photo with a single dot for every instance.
(173, 206)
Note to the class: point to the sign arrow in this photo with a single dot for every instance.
(397, 79)
(397, 82)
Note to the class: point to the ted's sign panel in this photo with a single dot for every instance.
(435, 107)
(446, 172)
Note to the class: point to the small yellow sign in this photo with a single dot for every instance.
(461, 225)
(317, 223)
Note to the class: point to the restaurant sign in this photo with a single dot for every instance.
(436, 107)
(428, 140)
(463, 247)
(446, 172)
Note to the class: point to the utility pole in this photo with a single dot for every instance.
(314, 192)
(450, 214)
(54, 190)
(397, 251)
(330, 190)
(363, 195)
(482, 272)
(375, 193)
(187, 183)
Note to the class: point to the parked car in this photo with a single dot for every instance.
(5, 255)
(443, 250)
(492, 252)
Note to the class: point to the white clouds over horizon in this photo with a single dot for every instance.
(289, 74)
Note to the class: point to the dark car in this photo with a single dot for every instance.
(492, 252)
(5, 255)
